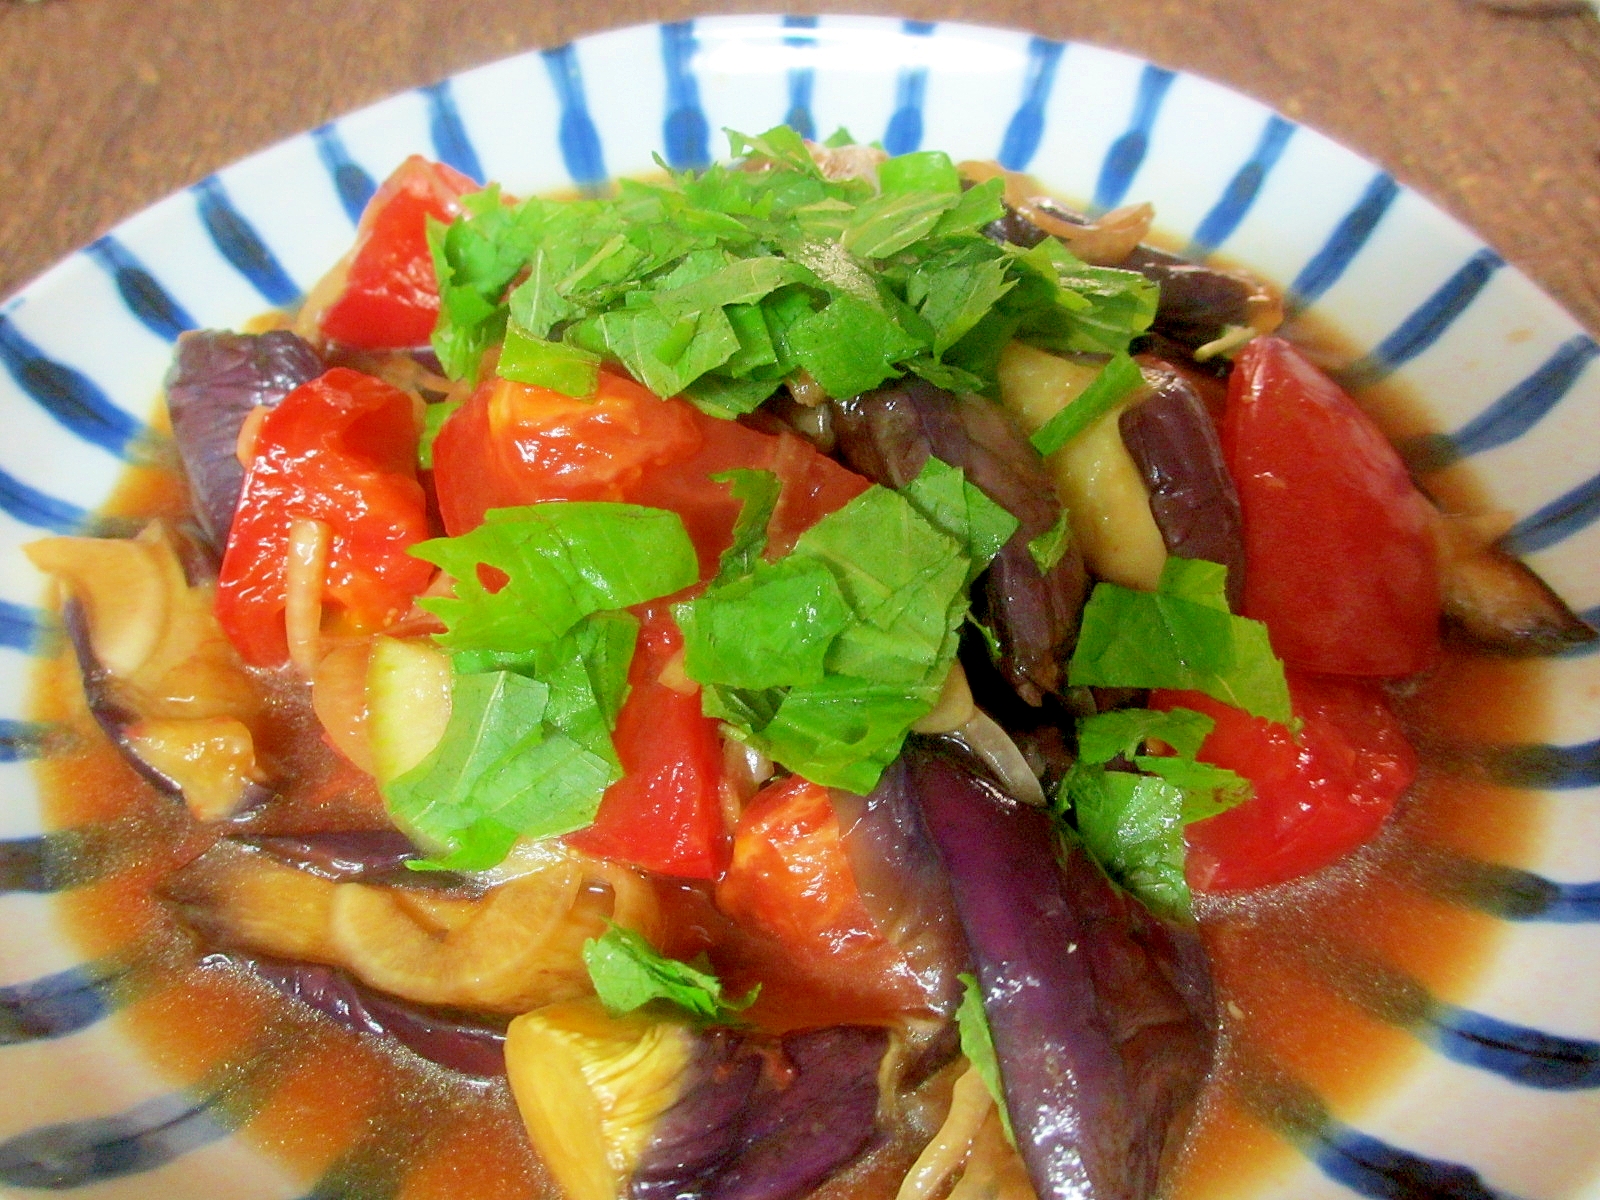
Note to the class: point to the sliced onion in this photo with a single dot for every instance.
(929, 1176)
(302, 611)
(983, 736)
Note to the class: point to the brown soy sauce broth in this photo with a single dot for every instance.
(1286, 960)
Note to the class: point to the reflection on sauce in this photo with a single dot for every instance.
(1321, 977)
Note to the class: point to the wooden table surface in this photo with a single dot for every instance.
(1492, 109)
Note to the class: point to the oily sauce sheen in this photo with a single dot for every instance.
(334, 1106)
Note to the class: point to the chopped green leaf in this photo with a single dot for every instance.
(494, 717)
(757, 493)
(1124, 731)
(1168, 639)
(977, 1043)
(1133, 827)
(628, 973)
(543, 363)
(433, 418)
(1133, 823)
(1116, 382)
(716, 285)
(961, 511)
(883, 627)
(562, 561)
(1051, 546)
(770, 628)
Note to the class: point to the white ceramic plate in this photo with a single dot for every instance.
(1506, 1100)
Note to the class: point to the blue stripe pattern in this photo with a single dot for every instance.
(1380, 1171)
(802, 80)
(1328, 264)
(1026, 128)
(67, 395)
(1526, 1056)
(28, 865)
(20, 740)
(1235, 202)
(1512, 415)
(150, 1135)
(904, 133)
(580, 141)
(19, 626)
(54, 1006)
(143, 294)
(1127, 153)
(33, 507)
(685, 133)
(350, 179)
(1556, 521)
(1427, 324)
(238, 242)
(1542, 766)
(451, 144)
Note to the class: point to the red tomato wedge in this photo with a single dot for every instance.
(1317, 797)
(1340, 560)
(340, 449)
(390, 297)
(665, 813)
(513, 443)
(801, 928)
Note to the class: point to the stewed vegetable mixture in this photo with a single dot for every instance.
(765, 659)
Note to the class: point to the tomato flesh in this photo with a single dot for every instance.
(799, 925)
(1317, 797)
(665, 813)
(390, 297)
(340, 449)
(1340, 560)
(513, 443)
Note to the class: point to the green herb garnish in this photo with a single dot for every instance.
(628, 973)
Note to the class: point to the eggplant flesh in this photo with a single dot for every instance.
(217, 378)
(1102, 1016)
(887, 435)
(1171, 439)
(449, 1041)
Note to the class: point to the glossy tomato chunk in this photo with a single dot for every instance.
(1319, 794)
(340, 449)
(390, 295)
(1339, 555)
(514, 443)
(665, 813)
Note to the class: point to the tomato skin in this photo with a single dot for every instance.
(390, 298)
(665, 813)
(1316, 799)
(1339, 551)
(799, 926)
(513, 443)
(340, 449)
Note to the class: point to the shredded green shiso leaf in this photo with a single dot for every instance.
(718, 285)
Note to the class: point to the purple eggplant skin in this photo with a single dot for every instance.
(902, 884)
(1171, 439)
(1102, 1031)
(375, 856)
(888, 434)
(216, 379)
(744, 1131)
(470, 1049)
(697, 1136)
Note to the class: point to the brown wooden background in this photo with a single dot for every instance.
(107, 105)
